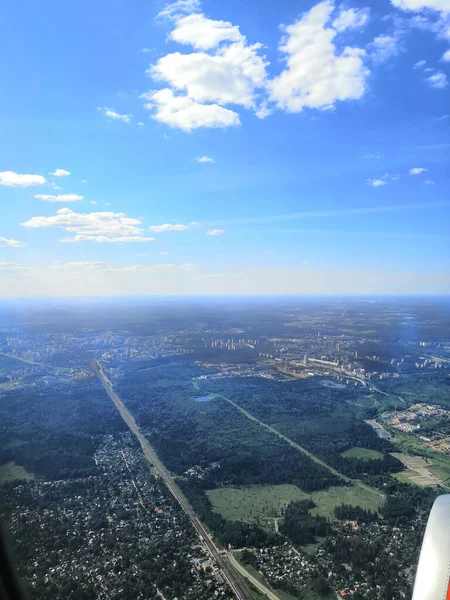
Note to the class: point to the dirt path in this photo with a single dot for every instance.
(302, 450)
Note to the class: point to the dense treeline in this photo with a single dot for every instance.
(187, 433)
(300, 526)
(347, 512)
(54, 433)
(322, 419)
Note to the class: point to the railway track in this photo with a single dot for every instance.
(229, 572)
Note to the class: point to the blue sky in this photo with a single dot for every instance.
(224, 147)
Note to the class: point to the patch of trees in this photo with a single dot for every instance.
(54, 433)
(300, 526)
(347, 512)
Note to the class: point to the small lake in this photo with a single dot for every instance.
(204, 398)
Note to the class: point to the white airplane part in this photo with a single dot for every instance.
(433, 571)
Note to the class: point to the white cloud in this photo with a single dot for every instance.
(317, 76)
(224, 70)
(83, 181)
(8, 243)
(97, 226)
(171, 227)
(438, 81)
(446, 56)
(141, 124)
(376, 182)
(417, 170)
(93, 202)
(203, 33)
(352, 18)
(104, 239)
(385, 46)
(419, 64)
(178, 8)
(12, 179)
(60, 173)
(215, 232)
(183, 113)
(112, 114)
(372, 156)
(59, 198)
(164, 253)
(230, 76)
(419, 5)
(204, 159)
(81, 264)
(429, 182)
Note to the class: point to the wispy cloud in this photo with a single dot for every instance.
(8, 243)
(319, 214)
(215, 232)
(59, 198)
(171, 227)
(110, 113)
(417, 170)
(376, 182)
(438, 81)
(204, 159)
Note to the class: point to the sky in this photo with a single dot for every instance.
(224, 147)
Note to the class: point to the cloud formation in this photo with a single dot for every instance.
(104, 239)
(181, 112)
(376, 182)
(419, 5)
(12, 179)
(8, 243)
(60, 173)
(204, 159)
(417, 170)
(96, 226)
(224, 69)
(386, 46)
(59, 198)
(438, 81)
(317, 74)
(112, 114)
(171, 227)
(215, 232)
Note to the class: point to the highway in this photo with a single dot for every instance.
(230, 573)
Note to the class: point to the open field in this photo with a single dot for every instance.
(362, 453)
(10, 471)
(254, 503)
(262, 503)
(420, 467)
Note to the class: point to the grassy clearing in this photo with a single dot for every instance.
(362, 453)
(255, 503)
(10, 471)
(260, 504)
(327, 500)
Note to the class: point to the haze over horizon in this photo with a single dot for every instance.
(209, 148)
